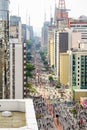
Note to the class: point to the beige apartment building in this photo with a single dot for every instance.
(64, 68)
(51, 45)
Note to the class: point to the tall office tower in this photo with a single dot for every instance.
(44, 41)
(51, 29)
(31, 32)
(15, 28)
(17, 70)
(24, 33)
(61, 15)
(4, 48)
(61, 45)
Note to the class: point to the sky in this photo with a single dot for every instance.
(41, 10)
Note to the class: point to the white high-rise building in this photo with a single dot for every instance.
(17, 70)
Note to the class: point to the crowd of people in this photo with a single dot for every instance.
(68, 120)
(44, 119)
(61, 110)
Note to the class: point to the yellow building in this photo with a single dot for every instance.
(51, 45)
(78, 93)
(64, 68)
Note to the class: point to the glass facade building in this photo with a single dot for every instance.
(83, 72)
(4, 9)
(79, 70)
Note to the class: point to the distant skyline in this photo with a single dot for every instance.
(40, 10)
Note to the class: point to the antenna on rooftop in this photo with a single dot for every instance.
(29, 20)
(18, 9)
(45, 16)
(50, 11)
(61, 4)
(55, 4)
(26, 16)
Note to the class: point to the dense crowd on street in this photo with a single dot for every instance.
(60, 107)
(68, 120)
(61, 110)
(44, 119)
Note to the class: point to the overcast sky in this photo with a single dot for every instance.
(36, 9)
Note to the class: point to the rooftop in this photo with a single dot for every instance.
(22, 115)
(17, 120)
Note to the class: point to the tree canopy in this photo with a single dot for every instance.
(29, 69)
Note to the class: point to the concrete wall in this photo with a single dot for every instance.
(12, 105)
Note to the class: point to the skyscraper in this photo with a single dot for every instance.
(45, 34)
(17, 70)
(4, 49)
(16, 28)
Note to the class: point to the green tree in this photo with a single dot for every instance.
(47, 68)
(38, 46)
(28, 56)
(58, 84)
(29, 69)
(50, 79)
(30, 87)
(46, 62)
(28, 44)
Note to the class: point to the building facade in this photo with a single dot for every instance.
(17, 70)
(61, 45)
(64, 68)
(4, 49)
(44, 41)
(16, 28)
(24, 33)
(51, 45)
(80, 25)
(78, 69)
